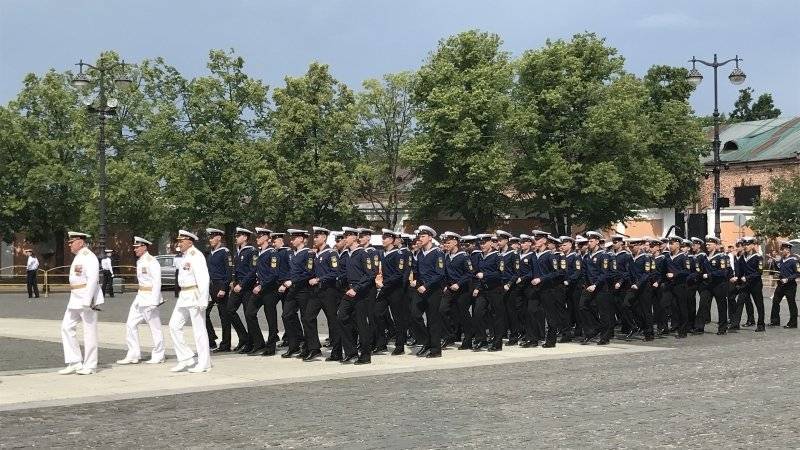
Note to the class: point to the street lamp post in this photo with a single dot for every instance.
(736, 77)
(104, 107)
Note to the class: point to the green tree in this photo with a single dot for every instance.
(59, 179)
(386, 116)
(15, 160)
(746, 110)
(778, 215)
(603, 143)
(460, 158)
(313, 134)
(214, 169)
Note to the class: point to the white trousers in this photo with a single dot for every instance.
(69, 337)
(136, 316)
(197, 316)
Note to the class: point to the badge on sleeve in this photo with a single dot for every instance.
(688, 264)
(273, 262)
(798, 267)
(516, 264)
(440, 262)
(310, 263)
(368, 261)
(577, 264)
(555, 264)
(723, 263)
(605, 264)
(376, 260)
(334, 261)
(230, 260)
(469, 266)
(255, 259)
(647, 266)
(502, 265)
(563, 263)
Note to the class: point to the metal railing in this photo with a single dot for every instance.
(56, 279)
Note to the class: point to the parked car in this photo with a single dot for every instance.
(167, 271)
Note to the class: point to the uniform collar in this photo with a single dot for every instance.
(542, 253)
(460, 252)
(391, 251)
(490, 253)
(523, 255)
(639, 255)
(425, 253)
(591, 255)
(218, 249)
(244, 248)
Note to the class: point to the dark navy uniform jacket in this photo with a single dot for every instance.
(560, 261)
(341, 279)
(574, 269)
(375, 255)
(219, 265)
(265, 272)
(527, 262)
(458, 270)
(405, 254)
(738, 265)
(430, 268)
(752, 267)
(491, 265)
(393, 265)
(680, 266)
(326, 267)
(548, 268)
(510, 266)
(789, 268)
(243, 265)
(360, 275)
(717, 266)
(284, 269)
(301, 265)
(597, 268)
(700, 264)
(622, 268)
(641, 270)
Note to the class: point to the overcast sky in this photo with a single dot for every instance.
(365, 39)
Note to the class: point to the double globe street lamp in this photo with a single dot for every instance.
(105, 107)
(736, 77)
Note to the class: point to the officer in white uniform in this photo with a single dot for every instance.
(84, 298)
(191, 306)
(145, 306)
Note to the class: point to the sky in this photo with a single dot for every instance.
(366, 39)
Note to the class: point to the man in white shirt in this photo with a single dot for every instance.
(30, 279)
(84, 298)
(108, 274)
(145, 306)
(194, 281)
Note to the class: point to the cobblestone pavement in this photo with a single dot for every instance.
(736, 391)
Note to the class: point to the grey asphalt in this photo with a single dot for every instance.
(732, 391)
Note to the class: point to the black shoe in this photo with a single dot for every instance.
(495, 348)
(398, 351)
(380, 350)
(334, 358)
(631, 334)
(790, 325)
(269, 351)
(290, 353)
(303, 353)
(512, 341)
(312, 355)
(240, 346)
(774, 324)
(480, 345)
(434, 354)
(734, 328)
(465, 345)
(722, 332)
(282, 344)
(448, 342)
(603, 342)
(649, 338)
(212, 344)
(698, 331)
(327, 343)
(349, 358)
(748, 324)
(680, 336)
(221, 349)
(363, 360)
(549, 345)
(246, 349)
(423, 351)
(257, 351)
(760, 327)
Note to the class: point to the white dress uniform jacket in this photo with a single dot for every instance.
(194, 280)
(84, 294)
(148, 272)
(84, 277)
(191, 306)
(145, 309)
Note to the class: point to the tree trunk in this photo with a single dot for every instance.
(58, 236)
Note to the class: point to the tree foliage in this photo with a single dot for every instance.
(745, 109)
(778, 215)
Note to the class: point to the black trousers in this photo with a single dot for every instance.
(490, 298)
(572, 295)
(235, 300)
(718, 292)
(788, 290)
(751, 289)
(691, 304)
(534, 311)
(660, 307)
(458, 304)
(108, 283)
(396, 298)
(325, 299)
(588, 309)
(33, 287)
(428, 304)
(267, 298)
(220, 303)
(640, 301)
(513, 316)
(378, 310)
(295, 301)
(552, 301)
(623, 310)
(353, 315)
(677, 294)
(605, 309)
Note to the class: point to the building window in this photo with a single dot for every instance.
(746, 195)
